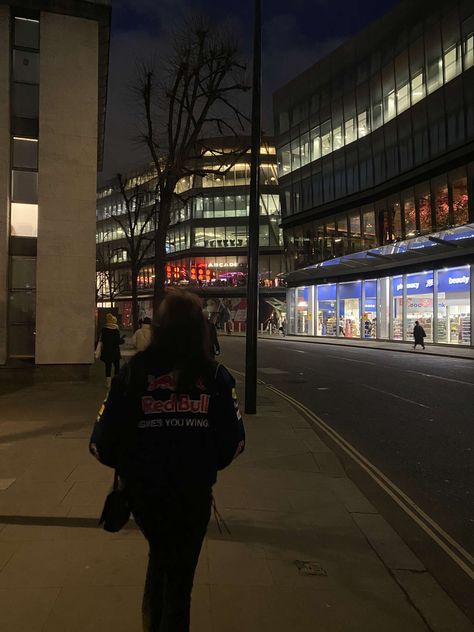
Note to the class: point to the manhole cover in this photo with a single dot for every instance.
(310, 568)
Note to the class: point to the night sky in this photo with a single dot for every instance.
(296, 34)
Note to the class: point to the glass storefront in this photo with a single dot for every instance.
(350, 296)
(454, 306)
(304, 310)
(326, 307)
(387, 308)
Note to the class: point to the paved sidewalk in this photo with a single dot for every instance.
(287, 502)
(466, 353)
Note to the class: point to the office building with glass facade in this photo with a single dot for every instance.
(208, 235)
(53, 77)
(375, 147)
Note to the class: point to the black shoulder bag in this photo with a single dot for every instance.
(116, 511)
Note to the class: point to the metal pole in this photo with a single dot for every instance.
(252, 279)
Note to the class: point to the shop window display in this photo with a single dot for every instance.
(369, 316)
(454, 309)
(326, 308)
(397, 308)
(350, 309)
(304, 310)
(383, 308)
(419, 303)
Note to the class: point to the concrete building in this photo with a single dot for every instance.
(53, 80)
(375, 147)
(207, 239)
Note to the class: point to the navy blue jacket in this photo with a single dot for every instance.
(160, 440)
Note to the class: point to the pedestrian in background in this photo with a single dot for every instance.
(419, 335)
(215, 348)
(143, 336)
(170, 422)
(109, 347)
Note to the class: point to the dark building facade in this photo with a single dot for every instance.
(375, 149)
(53, 87)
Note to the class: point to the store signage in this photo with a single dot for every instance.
(223, 264)
(464, 280)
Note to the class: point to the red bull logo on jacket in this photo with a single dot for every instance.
(167, 382)
(175, 404)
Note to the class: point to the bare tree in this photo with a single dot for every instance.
(191, 97)
(137, 222)
(107, 286)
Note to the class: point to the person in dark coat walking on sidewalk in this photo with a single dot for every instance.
(170, 422)
(110, 341)
(419, 335)
(215, 347)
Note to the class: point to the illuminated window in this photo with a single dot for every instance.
(452, 63)
(315, 143)
(417, 87)
(326, 141)
(295, 154)
(305, 157)
(403, 98)
(349, 131)
(24, 220)
(389, 106)
(469, 51)
(410, 215)
(435, 75)
(363, 124)
(337, 137)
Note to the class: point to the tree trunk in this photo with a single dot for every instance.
(160, 248)
(135, 306)
(160, 272)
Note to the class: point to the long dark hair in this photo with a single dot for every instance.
(181, 343)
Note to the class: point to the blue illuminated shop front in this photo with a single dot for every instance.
(386, 308)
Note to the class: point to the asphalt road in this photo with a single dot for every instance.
(411, 415)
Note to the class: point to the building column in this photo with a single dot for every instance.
(4, 173)
(67, 190)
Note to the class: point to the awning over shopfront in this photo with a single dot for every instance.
(447, 243)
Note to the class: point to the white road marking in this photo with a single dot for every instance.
(352, 360)
(393, 395)
(440, 377)
(452, 548)
(297, 351)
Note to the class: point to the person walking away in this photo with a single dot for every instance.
(215, 348)
(142, 337)
(419, 335)
(170, 422)
(228, 317)
(111, 341)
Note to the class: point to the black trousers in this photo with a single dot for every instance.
(174, 528)
(108, 368)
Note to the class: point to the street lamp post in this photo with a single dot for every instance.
(252, 283)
